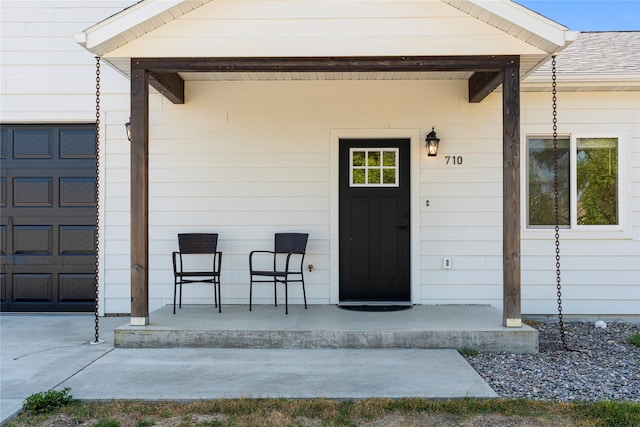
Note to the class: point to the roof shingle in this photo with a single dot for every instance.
(610, 52)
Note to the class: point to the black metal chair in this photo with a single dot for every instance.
(201, 245)
(289, 248)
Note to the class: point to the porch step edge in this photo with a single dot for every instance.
(516, 341)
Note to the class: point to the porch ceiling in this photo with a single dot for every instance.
(484, 73)
(327, 75)
(527, 64)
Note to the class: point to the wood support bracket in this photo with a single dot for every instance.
(171, 85)
(481, 84)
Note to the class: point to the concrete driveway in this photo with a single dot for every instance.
(52, 351)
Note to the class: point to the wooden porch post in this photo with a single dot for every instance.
(139, 195)
(511, 195)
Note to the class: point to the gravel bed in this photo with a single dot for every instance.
(602, 365)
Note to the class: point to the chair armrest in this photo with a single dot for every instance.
(260, 252)
(289, 255)
(174, 257)
(252, 253)
(217, 262)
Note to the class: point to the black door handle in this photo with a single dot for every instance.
(405, 222)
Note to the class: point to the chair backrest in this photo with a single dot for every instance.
(291, 242)
(198, 243)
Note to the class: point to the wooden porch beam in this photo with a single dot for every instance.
(486, 78)
(511, 196)
(139, 195)
(490, 63)
(170, 85)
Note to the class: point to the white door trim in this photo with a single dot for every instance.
(414, 135)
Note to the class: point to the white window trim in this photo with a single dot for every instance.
(622, 230)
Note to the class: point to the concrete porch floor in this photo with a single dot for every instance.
(477, 327)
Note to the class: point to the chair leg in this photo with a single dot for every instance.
(219, 297)
(304, 294)
(275, 291)
(215, 292)
(286, 297)
(175, 290)
(180, 300)
(250, 292)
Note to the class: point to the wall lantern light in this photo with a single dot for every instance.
(432, 143)
(128, 128)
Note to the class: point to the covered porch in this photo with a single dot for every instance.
(475, 327)
(272, 93)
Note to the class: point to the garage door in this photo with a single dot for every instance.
(48, 221)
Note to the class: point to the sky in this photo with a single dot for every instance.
(589, 15)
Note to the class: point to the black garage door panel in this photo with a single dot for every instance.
(48, 228)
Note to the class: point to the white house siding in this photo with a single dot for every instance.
(247, 159)
(600, 270)
(464, 218)
(46, 78)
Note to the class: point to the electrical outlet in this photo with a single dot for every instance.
(446, 263)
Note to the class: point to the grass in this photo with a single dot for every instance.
(468, 352)
(300, 412)
(47, 401)
(634, 340)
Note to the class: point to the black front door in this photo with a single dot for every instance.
(374, 220)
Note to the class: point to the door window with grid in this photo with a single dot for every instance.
(373, 167)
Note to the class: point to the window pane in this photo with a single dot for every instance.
(389, 176)
(374, 167)
(358, 176)
(374, 176)
(597, 181)
(374, 158)
(389, 158)
(358, 158)
(540, 176)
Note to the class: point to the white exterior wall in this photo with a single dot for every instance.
(247, 159)
(600, 269)
(46, 77)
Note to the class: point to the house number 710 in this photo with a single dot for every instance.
(453, 160)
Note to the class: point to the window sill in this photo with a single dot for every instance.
(598, 233)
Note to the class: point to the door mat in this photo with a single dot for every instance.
(375, 307)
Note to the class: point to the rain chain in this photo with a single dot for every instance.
(97, 187)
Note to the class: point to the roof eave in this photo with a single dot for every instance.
(573, 82)
(526, 24)
(151, 13)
